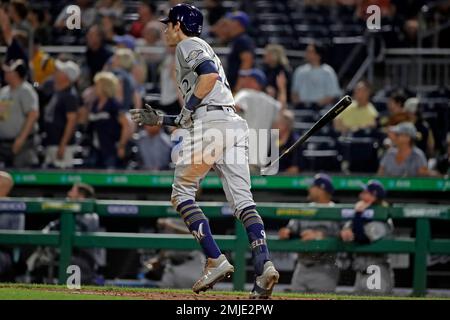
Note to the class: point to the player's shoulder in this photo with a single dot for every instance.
(418, 152)
(327, 68)
(192, 42)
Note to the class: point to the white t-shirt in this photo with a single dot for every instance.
(259, 109)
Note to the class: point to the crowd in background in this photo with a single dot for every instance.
(66, 111)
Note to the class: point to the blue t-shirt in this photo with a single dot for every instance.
(128, 86)
(55, 115)
(105, 126)
(240, 44)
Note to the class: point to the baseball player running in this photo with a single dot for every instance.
(209, 103)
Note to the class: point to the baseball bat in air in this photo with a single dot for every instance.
(326, 118)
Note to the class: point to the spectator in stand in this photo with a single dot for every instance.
(220, 31)
(18, 12)
(314, 272)
(111, 25)
(289, 163)
(258, 108)
(242, 47)
(443, 161)
(152, 37)
(170, 101)
(146, 12)
(155, 148)
(88, 15)
(139, 73)
(17, 44)
(361, 114)
(126, 41)
(60, 117)
(395, 106)
(275, 64)
(108, 123)
(404, 159)
(122, 63)
(315, 83)
(362, 230)
(97, 53)
(215, 11)
(8, 221)
(19, 113)
(42, 64)
(41, 28)
(425, 138)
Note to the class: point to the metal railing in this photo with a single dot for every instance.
(68, 238)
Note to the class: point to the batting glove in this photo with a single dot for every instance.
(147, 116)
(184, 119)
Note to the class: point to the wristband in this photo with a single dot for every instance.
(193, 102)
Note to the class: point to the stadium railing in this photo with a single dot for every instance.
(165, 179)
(68, 238)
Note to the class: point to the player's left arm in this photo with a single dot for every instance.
(207, 77)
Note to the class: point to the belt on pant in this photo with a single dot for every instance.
(215, 108)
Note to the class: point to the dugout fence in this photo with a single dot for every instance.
(419, 246)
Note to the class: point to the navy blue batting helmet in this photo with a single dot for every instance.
(190, 18)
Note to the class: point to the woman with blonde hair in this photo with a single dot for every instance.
(108, 123)
(277, 69)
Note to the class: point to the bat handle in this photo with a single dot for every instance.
(169, 121)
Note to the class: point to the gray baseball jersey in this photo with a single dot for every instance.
(235, 175)
(190, 53)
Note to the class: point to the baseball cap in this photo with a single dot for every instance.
(125, 40)
(239, 16)
(88, 190)
(69, 68)
(18, 66)
(411, 105)
(323, 181)
(404, 128)
(257, 74)
(375, 188)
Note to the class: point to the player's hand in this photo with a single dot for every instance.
(347, 235)
(146, 116)
(284, 233)
(361, 206)
(184, 119)
(309, 235)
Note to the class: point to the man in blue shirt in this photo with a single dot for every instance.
(315, 83)
(60, 116)
(242, 54)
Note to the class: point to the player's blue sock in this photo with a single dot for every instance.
(256, 236)
(198, 225)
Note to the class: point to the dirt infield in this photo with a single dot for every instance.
(19, 291)
(165, 295)
(16, 291)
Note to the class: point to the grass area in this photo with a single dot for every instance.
(54, 292)
(35, 294)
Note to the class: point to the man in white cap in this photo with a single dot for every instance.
(60, 116)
